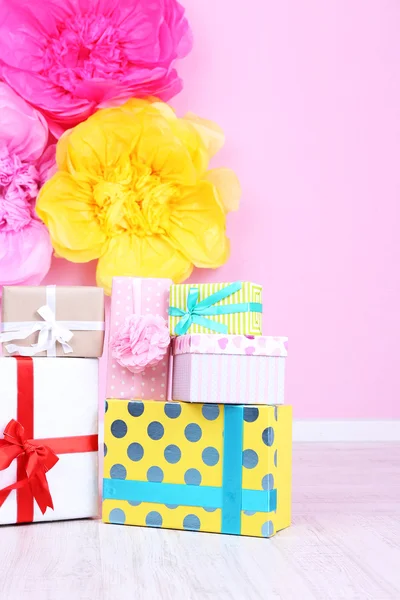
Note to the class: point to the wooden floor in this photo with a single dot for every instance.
(344, 544)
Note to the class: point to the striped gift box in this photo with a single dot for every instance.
(245, 301)
(229, 369)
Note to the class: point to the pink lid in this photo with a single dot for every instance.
(211, 343)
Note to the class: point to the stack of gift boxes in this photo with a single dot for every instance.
(51, 338)
(201, 440)
(196, 435)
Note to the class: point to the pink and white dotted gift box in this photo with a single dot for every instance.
(229, 369)
(131, 295)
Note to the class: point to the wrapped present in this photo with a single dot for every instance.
(48, 439)
(53, 321)
(209, 467)
(234, 308)
(138, 358)
(229, 369)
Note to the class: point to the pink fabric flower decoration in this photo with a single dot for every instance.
(25, 164)
(141, 342)
(70, 57)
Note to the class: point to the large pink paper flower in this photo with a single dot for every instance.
(25, 164)
(70, 57)
(141, 342)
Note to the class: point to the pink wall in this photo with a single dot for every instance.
(308, 93)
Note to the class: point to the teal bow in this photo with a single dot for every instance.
(196, 310)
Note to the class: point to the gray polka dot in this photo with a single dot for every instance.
(105, 449)
(276, 413)
(250, 459)
(250, 414)
(172, 454)
(106, 407)
(268, 482)
(153, 519)
(193, 432)
(134, 503)
(276, 458)
(172, 410)
(268, 436)
(210, 456)
(135, 409)
(155, 430)
(119, 428)
(135, 451)
(155, 474)
(192, 477)
(118, 472)
(117, 516)
(209, 509)
(210, 411)
(172, 506)
(249, 513)
(267, 529)
(191, 522)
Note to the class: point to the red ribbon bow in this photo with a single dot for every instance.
(37, 460)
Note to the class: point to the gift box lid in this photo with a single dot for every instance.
(249, 345)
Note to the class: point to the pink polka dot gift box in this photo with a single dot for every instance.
(138, 357)
(229, 369)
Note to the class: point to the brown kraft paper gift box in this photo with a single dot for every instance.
(74, 303)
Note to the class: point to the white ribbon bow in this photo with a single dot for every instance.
(50, 332)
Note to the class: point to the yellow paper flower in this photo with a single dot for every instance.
(134, 190)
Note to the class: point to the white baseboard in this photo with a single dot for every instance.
(351, 430)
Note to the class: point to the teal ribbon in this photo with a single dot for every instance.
(232, 469)
(180, 494)
(196, 311)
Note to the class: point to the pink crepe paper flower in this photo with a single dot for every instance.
(141, 342)
(70, 57)
(25, 164)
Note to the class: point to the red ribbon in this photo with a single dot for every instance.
(37, 460)
(34, 457)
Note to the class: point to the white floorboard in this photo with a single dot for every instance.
(344, 545)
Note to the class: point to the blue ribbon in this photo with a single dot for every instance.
(232, 469)
(195, 311)
(231, 498)
(188, 495)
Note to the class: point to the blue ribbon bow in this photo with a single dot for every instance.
(194, 314)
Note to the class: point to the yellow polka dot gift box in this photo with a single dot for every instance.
(203, 467)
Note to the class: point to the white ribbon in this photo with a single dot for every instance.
(50, 330)
(136, 295)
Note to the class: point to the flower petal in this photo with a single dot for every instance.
(101, 143)
(67, 209)
(228, 187)
(211, 134)
(197, 226)
(23, 130)
(132, 256)
(57, 106)
(159, 143)
(47, 166)
(25, 255)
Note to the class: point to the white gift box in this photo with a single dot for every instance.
(65, 405)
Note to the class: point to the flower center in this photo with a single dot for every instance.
(85, 47)
(139, 203)
(19, 184)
